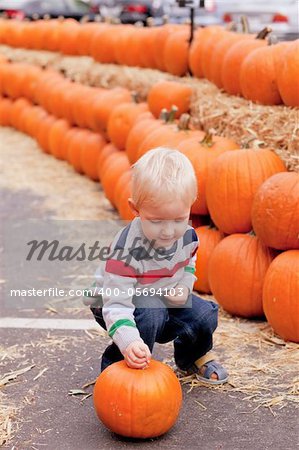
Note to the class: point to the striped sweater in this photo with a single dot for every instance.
(132, 266)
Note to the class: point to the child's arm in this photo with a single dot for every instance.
(118, 309)
(189, 278)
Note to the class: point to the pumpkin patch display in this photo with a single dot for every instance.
(233, 180)
(236, 273)
(281, 295)
(275, 211)
(138, 403)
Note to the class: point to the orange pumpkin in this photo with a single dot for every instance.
(208, 237)
(258, 77)
(208, 51)
(16, 112)
(288, 75)
(148, 42)
(236, 273)
(56, 135)
(155, 390)
(75, 144)
(69, 37)
(107, 150)
(103, 43)
(32, 76)
(43, 132)
(221, 49)
(53, 35)
(198, 46)
(275, 211)
(232, 63)
(90, 153)
(33, 121)
(5, 111)
(160, 40)
(121, 185)
(103, 104)
(202, 151)
(165, 94)
(116, 165)
(84, 37)
(13, 80)
(121, 121)
(232, 182)
(137, 135)
(168, 134)
(281, 294)
(176, 52)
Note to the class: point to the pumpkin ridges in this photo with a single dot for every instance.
(258, 77)
(281, 306)
(275, 211)
(208, 237)
(237, 286)
(288, 75)
(156, 384)
(165, 94)
(201, 151)
(230, 204)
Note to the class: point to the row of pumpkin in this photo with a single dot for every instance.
(238, 187)
(240, 63)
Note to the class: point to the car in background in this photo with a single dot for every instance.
(280, 15)
(130, 11)
(33, 9)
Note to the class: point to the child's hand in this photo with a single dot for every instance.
(181, 296)
(137, 355)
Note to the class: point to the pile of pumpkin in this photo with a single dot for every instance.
(240, 63)
(102, 132)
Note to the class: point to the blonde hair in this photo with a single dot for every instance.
(162, 174)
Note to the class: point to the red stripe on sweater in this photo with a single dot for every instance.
(119, 268)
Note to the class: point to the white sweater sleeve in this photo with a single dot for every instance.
(188, 279)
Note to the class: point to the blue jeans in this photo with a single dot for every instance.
(191, 328)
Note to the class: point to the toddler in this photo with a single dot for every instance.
(143, 292)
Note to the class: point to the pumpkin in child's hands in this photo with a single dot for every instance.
(138, 403)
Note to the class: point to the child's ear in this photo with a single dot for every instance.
(133, 207)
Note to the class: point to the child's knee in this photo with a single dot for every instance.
(207, 320)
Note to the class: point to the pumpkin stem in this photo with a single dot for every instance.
(264, 33)
(272, 40)
(184, 122)
(165, 19)
(207, 141)
(172, 113)
(164, 114)
(231, 26)
(135, 96)
(244, 24)
(252, 143)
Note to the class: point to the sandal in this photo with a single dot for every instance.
(210, 366)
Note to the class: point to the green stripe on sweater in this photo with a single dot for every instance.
(189, 269)
(120, 323)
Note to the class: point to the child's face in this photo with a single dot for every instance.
(164, 223)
